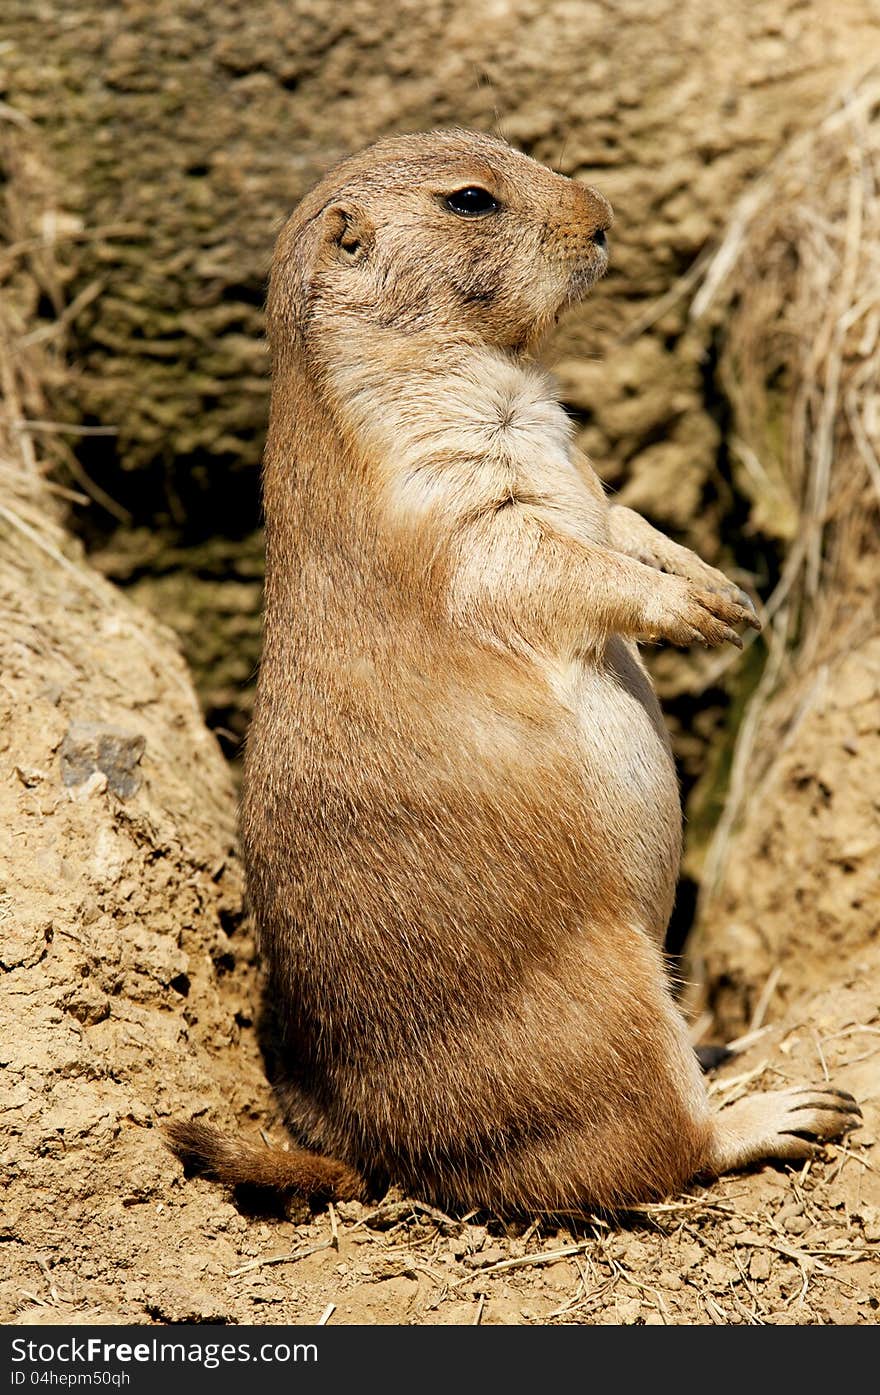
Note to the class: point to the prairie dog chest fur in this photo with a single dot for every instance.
(472, 431)
(477, 433)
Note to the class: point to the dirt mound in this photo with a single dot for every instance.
(127, 978)
(794, 892)
(801, 886)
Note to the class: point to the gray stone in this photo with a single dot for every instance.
(89, 747)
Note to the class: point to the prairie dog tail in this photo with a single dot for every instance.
(238, 1163)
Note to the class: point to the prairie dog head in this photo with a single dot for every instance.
(450, 233)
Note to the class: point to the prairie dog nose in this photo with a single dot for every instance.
(596, 209)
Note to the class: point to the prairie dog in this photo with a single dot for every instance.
(461, 819)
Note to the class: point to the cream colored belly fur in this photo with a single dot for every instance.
(480, 432)
(629, 774)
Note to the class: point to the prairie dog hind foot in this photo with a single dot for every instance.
(787, 1124)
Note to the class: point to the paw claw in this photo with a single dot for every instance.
(832, 1108)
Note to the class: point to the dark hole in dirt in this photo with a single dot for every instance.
(158, 1312)
(230, 919)
(248, 293)
(260, 1203)
(46, 309)
(200, 498)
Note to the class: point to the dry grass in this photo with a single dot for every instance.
(37, 465)
(39, 472)
(30, 365)
(795, 287)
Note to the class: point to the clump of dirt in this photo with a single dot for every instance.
(801, 884)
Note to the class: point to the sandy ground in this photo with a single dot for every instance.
(777, 1246)
(129, 975)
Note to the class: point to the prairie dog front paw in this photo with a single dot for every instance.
(692, 568)
(636, 537)
(685, 613)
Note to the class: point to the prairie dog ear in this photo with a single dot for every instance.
(348, 229)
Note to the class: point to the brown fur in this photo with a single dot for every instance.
(460, 818)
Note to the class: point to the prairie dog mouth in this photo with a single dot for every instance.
(587, 272)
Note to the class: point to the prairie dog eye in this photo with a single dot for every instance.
(472, 202)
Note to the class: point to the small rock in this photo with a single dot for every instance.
(89, 747)
(475, 1237)
(561, 1276)
(400, 1287)
(690, 1255)
(490, 1254)
(349, 1210)
(87, 1004)
(178, 1303)
(500, 1313)
(871, 1222)
(760, 1266)
(633, 1251)
(793, 1220)
(796, 1225)
(717, 1273)
(629, 1310)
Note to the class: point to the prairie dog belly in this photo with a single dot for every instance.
(629, 774)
